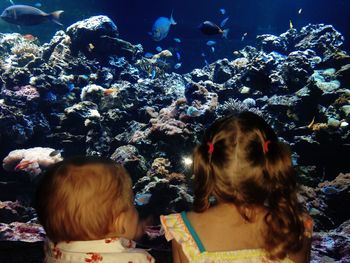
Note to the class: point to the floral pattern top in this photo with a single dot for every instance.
(109, 250)
(178, 227)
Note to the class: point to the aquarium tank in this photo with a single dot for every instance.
(139, 81)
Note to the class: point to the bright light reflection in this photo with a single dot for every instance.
(187, 161)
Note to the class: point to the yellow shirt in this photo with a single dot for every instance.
(177, 227)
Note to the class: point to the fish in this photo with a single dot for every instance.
(209, 28)
(290, 24)
(158, 49)
(148, 55)
(211, 43)
(50, 96)
(23, 164)
(153, 73)
(177, 65)
(55, 152)
(178, 56)
(142, 199)
(311, 123)
(164, 53)
(192, 111)
(206, 62)
(244, 35)
(70, 86)
(70, 97)
(25, 15)
(177, 40)
(213, 49)
(11, 2)
(29, 37)
(222, 11)
(161, 27)
(90, 47)
(223, 22)
(38, 4)
(110, 91)
(300, 10)
(344, 124)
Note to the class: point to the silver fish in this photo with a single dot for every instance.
(25, 15)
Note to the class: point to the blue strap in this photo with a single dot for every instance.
(193, 233)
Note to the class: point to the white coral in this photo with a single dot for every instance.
(91, 91)
(31, 160)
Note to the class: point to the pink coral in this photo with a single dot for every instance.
(25, 232)
(166, 123)
(31, 160)
(29, 92)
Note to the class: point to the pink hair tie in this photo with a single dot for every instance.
(211, 147)
(266, 146)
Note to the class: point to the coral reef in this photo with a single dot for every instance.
(18, 223)
(326, 206)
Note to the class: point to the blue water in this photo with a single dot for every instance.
(135, 18)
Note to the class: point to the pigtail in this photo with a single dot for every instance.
(285, 228)
(203, 180)
(284, 222)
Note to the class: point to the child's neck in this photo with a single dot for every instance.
(253, 213)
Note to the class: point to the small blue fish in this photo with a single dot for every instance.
(206, 62)
(38, 4)
(211, 43)
(85, 77)
(213, 49)
(223, 22)
(148, 55)
(203, 54)
(177, 40)
(142, 199)
(70, 86)
(50, 96)
(161, 27)
(177, 65)
(222, 11)
(330, 190)
(159, 49)
(178, 56)
(244, 35)
(153, 74)
(192, 111)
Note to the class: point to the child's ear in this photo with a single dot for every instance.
(120, 224)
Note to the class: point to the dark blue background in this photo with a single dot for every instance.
(134, 19)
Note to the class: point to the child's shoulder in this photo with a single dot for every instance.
(172, 221)
(174, 226)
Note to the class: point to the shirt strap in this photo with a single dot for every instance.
(192, 232)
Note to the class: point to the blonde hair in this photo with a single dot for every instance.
(80, 198)
(241, 161)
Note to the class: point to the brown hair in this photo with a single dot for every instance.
(232, 165)
(80, 198)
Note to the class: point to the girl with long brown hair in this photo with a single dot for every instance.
(245, 199)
